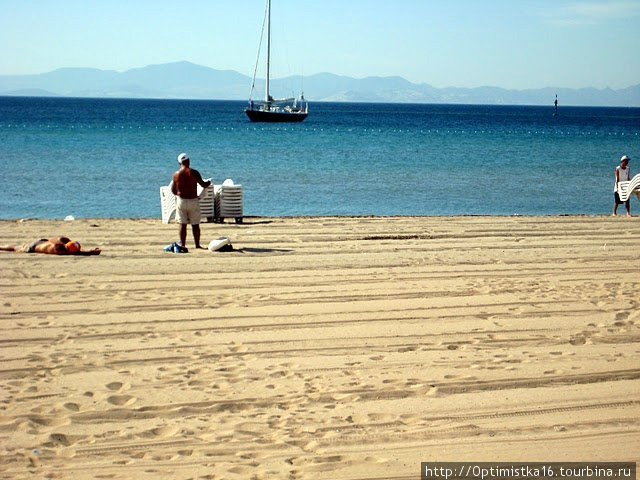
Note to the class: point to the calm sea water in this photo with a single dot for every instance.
(108, 158)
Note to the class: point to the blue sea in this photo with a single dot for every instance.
(108, 157)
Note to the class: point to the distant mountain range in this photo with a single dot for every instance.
(189, 81)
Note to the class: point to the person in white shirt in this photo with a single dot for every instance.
(623, 174)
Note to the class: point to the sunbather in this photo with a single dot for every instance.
(52, 246)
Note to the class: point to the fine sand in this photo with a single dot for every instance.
(333, 348)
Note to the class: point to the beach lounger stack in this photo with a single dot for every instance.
(228, 201)
(207, 204)
(168, 203)
(626, 189)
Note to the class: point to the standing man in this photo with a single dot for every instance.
(185, 187)
(623, 174)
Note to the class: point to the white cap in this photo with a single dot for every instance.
(182, 157)
(624, 157)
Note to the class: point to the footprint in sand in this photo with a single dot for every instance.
(407, 349)
(117, 386)
(240, 470)
(238, 348)
(53, 421)
(72, 407)
(121, 400)
(60, 439)
(621, 316)
(164, 431)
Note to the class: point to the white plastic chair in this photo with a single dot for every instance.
(167, 203)
(228, 201)
(626, 189)
(207, 204)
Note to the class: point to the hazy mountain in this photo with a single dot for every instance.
(187, 80)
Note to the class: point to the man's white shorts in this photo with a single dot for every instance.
(188, 211)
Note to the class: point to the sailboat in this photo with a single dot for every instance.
(270, 109)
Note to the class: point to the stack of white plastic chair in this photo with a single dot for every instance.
(625, 189)
(228, 201)
(168, 203)
(207, 203)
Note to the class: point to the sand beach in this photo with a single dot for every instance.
(344, 348)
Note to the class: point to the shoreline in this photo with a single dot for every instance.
(321, 347)
(355, 216)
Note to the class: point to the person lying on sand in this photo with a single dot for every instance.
(52, 246)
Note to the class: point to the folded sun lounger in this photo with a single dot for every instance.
(167, 203)
(228, 201)
(626, 189)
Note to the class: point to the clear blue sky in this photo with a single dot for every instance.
(462, 43)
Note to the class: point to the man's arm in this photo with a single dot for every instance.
(199, 179)
(174, 185)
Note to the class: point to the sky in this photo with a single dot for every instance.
(515, 44)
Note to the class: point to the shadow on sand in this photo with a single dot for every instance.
(261, 250)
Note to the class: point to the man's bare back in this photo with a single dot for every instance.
(185, 182)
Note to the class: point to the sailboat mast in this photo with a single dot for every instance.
(268, 50)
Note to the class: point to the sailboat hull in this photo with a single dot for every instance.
(273, 117)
